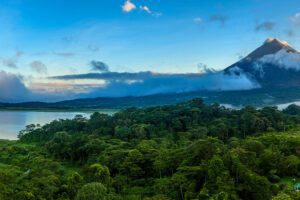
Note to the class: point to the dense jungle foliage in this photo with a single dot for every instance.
(184, 151)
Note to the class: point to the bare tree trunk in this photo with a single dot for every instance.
(182, 197)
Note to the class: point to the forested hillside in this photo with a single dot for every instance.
(185, 151)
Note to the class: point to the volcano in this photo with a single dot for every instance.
(275, 64)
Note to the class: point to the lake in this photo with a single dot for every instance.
(11, 122)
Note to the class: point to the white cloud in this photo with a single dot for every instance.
(198, 20)
(283, 59)
(128, 6)
(146, 9)
(296, 19)
(149, 11)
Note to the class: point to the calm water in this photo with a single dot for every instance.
(11, 122)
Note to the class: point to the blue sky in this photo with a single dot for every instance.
(42, 38)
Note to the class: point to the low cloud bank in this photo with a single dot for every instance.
(117, 84)
(148, 83)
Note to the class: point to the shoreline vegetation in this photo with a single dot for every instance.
(184, 151)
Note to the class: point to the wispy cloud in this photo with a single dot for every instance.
(67, 39)
(93, 48)
(99, 66)
(295, 19)
(222, 19)
(198, 20)
(128, 6)
(265, 26)
(146, 9)
(58, 87)
(204, 69)
(38, 67)
(149, 11)
(64, 54)
(290, 33)
(12, 61)
(109, 76)
(242, 54)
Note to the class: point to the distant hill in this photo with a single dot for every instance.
(257, 97)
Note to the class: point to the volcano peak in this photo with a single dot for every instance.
(274, 64)
(270, 46)
(276, 41)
